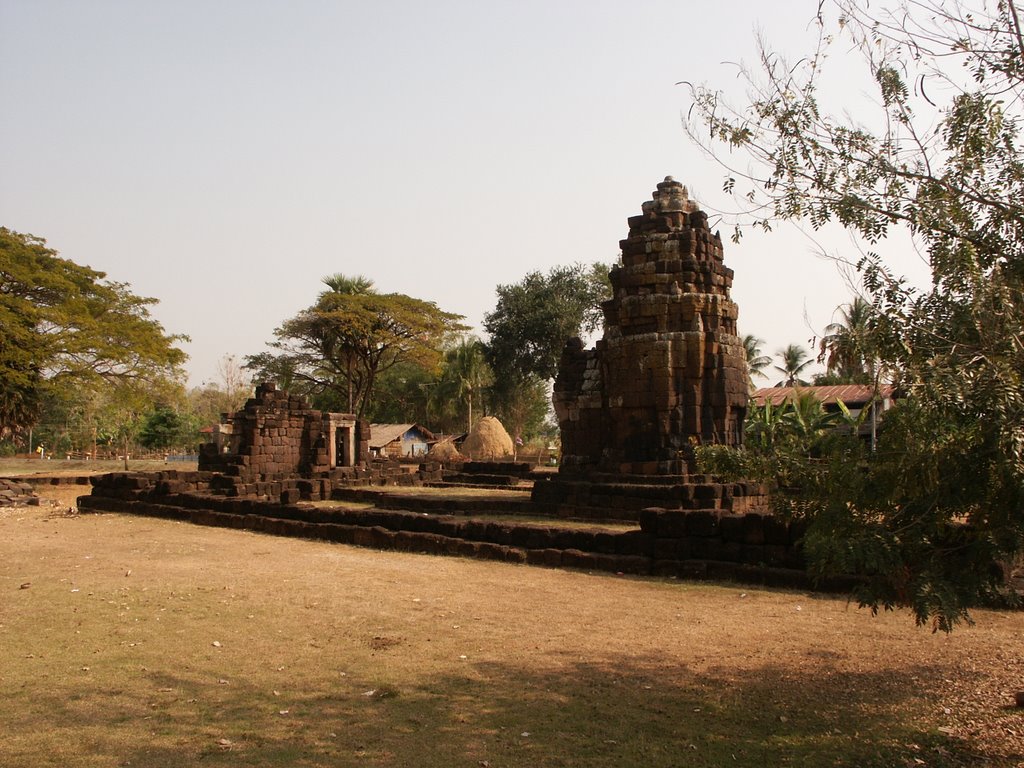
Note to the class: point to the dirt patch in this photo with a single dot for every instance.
(153, 642)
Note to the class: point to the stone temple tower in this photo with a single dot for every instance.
(670, 371)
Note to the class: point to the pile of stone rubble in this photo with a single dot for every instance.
(14, 493)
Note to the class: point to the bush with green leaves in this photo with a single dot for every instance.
(942, 500)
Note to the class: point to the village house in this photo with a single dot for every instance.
(400, 441)
(855, 397)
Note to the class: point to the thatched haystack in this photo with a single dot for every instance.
(445, 452)
(488, 441)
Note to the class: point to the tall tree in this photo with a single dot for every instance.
(756, 362)
(464, 377)
(943, 497)
(793, 360)
(521, 402)
(164, 428)
(66, 325)
(402, 394)
(343, 342)
(348, 285)
(845, 347)
(536, 316)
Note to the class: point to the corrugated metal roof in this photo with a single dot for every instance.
(383, 434)
(853, 395)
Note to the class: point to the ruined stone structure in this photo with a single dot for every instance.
(670, 370)
(669, 373)
(277, 434)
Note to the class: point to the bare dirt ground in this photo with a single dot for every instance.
(135, 641)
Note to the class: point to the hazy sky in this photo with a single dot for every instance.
(223, 156)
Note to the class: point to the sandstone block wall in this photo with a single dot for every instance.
(698, 543)
(276, 434)
(670, 370)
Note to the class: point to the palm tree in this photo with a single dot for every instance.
(807, 418)
(465, 376)
(354, 285)
(794, 361)
(844, 347)
(756, 362)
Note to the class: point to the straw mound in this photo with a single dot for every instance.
(445, 452)
(488, 441)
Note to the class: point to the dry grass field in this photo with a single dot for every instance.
(15, 467)
(143, 642)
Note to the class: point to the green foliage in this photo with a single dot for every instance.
(794, 362)
(74, 419)
(528, 330)
(464, 380)
(798, 429)
(165, 428)
(944, 501)
(354, 284)
(756, 362)
(521, 403)
(924, 520)
(402, 395)
(536, 316)
(846, 347)
(64, 325)
(341, 344)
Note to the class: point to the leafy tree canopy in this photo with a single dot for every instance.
(944, 498)
(402, 394)
(536, 316)
(66, 324)
(465, 377)
(164, 427)
(343, 342)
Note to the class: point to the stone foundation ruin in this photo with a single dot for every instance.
(669, 373)
(697, 544)
(670, 370)
(277, 434)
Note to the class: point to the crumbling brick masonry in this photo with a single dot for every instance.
(670, 370)
(277, 434)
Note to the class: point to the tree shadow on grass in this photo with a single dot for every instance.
(621, 713)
